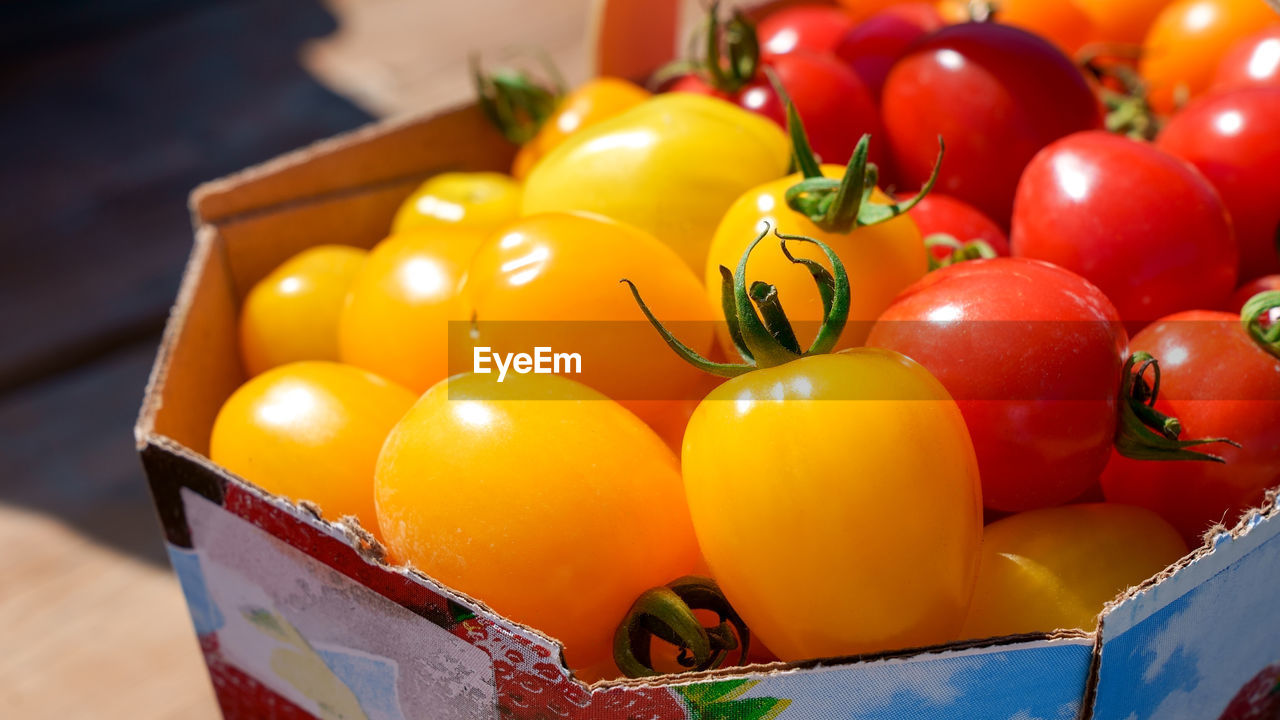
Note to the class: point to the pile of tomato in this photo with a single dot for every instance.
(899, 323)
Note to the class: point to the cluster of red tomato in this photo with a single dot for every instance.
(927, 366)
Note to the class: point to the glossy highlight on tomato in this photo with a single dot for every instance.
(1076, 206)
(481, 201)
(311, 431)
(395, 320)
(292, 314)
(1252, 61)
(540, 496)
(1232, 139)
(1033, 355)
(997, 95)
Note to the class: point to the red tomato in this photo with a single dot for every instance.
(1143, 226)
(1219, 382)
(875, 44)
(938, 213)
(1234, 139)
(807, 28)
(997, 94)
(1251, 288)
(1252, 61)
(834, 105)
(1033, 355)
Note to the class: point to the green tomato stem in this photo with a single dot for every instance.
(1145, 433)
(1255, 316)
(839, 206)
(516, 104)
(770, 341)
(740, 45)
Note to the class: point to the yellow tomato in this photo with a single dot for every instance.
(836, 499)
(481, 201)
(552, 280)
(595, 100)
(540, 497)
(1188, 38)
(1055, 568)
(311, 431)
(670, 166)
(881, 259)
(396, 318)
(292, 314)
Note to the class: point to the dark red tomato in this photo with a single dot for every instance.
(1033, 355)
(875, 44)
(1234, 139)
(1251, 288)
(938, 213)
(1219, 382)
(996, 94)
(1252, 61)
(834, 105)
(1140, 224)
(805, 28)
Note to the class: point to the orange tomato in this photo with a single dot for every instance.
(595, 100)
(1121, 22)
(552, 280)
(1188, 38)
(482, 201)
(540, 497)
(311, 431)
(881, 259)
(395, 321)
(1062, 22)
(292, 314)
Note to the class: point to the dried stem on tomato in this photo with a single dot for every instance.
(667, 613)
(960, 251)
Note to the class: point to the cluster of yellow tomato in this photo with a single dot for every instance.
(558, 501)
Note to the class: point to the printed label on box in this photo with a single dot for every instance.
(329, 645)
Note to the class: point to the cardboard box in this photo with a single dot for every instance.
(300, 618)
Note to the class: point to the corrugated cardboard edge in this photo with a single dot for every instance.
(371, 155)
(1248, 520)
(152, 399)
(1212, 536)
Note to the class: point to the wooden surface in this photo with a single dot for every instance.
(111, 113)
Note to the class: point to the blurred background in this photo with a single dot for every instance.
(110, 113)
